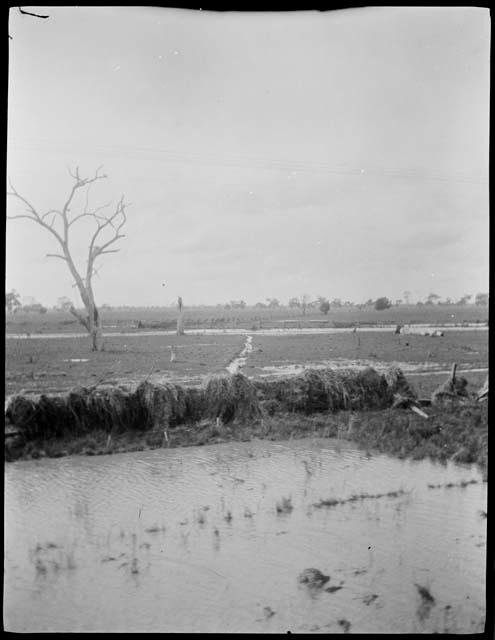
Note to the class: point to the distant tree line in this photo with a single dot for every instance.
(304, 302)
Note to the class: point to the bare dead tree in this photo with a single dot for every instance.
(59, 223)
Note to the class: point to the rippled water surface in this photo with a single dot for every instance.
(191, 540)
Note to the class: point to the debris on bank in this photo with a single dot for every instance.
(454, 388)
(483, 392)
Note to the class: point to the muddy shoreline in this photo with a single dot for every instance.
(455, 432)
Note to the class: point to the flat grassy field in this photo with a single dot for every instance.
(250, 318)
(35, 364)
(468, 349)
(48, 365)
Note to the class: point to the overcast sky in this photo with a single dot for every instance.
(342, 154)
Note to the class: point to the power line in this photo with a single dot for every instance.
(244, 161)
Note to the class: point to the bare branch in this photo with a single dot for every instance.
(74, 175)
(21, 216)
(35, 215)
(109, 250)
(84, 321)
(107, 233)
(94, 251)
(91, 214)
(49, 212)
(80, 182)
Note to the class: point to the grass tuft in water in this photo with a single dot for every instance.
(284, 505)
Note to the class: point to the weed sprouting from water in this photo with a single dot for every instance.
(134, 566)
(465, 483)
(307, 468)
(108, 559)
(345, 624)
(284, 505)
(155, 529)
(451, 485)
(333, 589)
(425, 594)
(427, 601)
(329, 502)
(370, 598)
(332, 502)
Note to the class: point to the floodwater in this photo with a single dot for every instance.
(237, 363)
(409, 368)
(412, 328)
(191, 540)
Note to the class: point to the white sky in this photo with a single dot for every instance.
(342, 154)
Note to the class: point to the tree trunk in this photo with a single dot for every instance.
(95, 328)
(96, 338)
(180, 318)
(180, 324)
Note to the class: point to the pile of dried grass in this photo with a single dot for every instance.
(317, 390)
(112, 410)
(234, 397)
(231, 398)
(398, 386)
(77, 413)
(450, 390)
(164, 404)
(21, 413)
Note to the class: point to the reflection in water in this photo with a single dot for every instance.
(214, 539)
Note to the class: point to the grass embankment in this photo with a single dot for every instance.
(353, 405)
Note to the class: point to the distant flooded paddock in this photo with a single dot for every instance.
(214, 539)
(419, 329)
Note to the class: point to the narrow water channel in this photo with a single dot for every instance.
(191, 540)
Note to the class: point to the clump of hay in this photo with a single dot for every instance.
(165, 405)
(194, 403)
(21, 413)
(270, 407)
(231, 398)
(77, 413)
(316, 390)
(112, 410)
(398, 386)
(450, 390)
